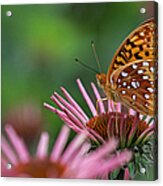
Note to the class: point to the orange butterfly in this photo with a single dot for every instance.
(132, 76)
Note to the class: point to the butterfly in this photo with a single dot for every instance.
(132, 76)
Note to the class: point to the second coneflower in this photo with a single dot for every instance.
(64, 161)
(133, 131)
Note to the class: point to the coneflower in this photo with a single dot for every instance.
(72, 161)
(134, 131)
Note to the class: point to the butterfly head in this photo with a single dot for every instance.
(101, 80)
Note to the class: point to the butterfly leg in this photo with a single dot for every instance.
(100, 100)
(116, 119)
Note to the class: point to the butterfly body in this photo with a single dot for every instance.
(132, 78)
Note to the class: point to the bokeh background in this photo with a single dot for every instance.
(39, 44)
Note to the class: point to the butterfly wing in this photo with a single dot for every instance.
(140, 44)
(135, 85)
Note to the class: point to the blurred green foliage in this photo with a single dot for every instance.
(40, 42)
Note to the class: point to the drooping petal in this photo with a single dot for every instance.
(86, 97)
(43, 146)
(18, 144)
(60, 143)
(73, 146)
(74, 103)
(118, 161)
(8, 151)
(98, 97)
(70, 108)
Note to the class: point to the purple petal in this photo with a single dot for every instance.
(70, 115)
(51, 108)
(118, 107)
(74, 119)
(127, 174)
(132, 112)
(145, 133)
(98, 97)
(103, 150)
(60, 143)
(111, 106)
(95, 135)
(116, 162)
(8, 151)
(72, 147)
(61, 114)
(74, 103)
(43, 146)
(71, 108)
(87, 98)
(18, 144)
(80, 155)
(133, 130)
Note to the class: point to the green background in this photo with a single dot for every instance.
(40, 42)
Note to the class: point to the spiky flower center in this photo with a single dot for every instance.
(40, 168)
(116, 124)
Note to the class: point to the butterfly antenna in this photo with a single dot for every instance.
(86, 66)
(96, 56)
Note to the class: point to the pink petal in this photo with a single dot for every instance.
(43, 146)
(95, 135)
(71, 116)
(98, 97)
(132, 112)
(133, 129)
(78, 158)
(111, 106)
(71, 108)
(127, 174)
(116, 162)
(61, 114)
(149, 130)
(118, 107)
(18, 144)
(60, 143)
(46, 105)
(72, 147)
(3, 161)
(74, 103)
(74, 119)
(103, 150)
(8, 151)
(87, 98)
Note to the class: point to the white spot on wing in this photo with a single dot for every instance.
(134, 66)
(119, 80)
(142, 34)
(124, 84)
(146, 63)
(133, 84)
(146, 96)
(152, 69)
(124, 74)
(137, 83)
(150, 89)
(123, 92)
(134, 97)
(145, 77)
(140, 71)
(146, 104)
